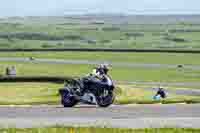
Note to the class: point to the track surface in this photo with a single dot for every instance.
(133, 116)
(90, 62)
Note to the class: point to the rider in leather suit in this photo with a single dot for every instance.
(96, 78)
(161, 92)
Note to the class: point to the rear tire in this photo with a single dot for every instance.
(67, 100)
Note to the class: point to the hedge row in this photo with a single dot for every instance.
(175, 39)
(184, 30)
(35, 79)
(39, 36)
(103, 50)
(30, 36)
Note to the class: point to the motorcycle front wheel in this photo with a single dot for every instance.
(105, 100)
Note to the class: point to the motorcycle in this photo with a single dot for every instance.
(95, 92)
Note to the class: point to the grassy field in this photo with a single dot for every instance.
(97, 130)
(118, 73)
(144, 74)
(29, 93)
(63, 34)
(47, 93)
(130, 94)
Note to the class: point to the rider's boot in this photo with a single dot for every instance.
(80, 90)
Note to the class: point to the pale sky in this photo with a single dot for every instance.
(61, 7)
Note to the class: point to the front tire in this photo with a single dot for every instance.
(105, 101)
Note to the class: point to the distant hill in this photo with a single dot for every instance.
(110, 18)
(139, 19)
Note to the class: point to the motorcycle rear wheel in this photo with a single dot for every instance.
(67, 99)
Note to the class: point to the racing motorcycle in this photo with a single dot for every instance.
(94, 91)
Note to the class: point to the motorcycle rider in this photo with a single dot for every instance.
(100, 71)
(96, 88)
(161, 93)
(97, 78)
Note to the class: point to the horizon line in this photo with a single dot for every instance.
(114, 14)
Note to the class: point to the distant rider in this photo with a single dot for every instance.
(160, 93)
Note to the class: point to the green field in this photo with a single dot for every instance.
(66, 34)
(98, 130)
(162, 74)
(118, 73)
(29, 93)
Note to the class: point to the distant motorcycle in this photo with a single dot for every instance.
(94, 91)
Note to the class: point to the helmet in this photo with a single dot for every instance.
(104, 68)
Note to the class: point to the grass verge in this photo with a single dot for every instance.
(127, 94)
(98, 130)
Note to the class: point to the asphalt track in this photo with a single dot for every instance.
(97, 62)
(132, 116)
